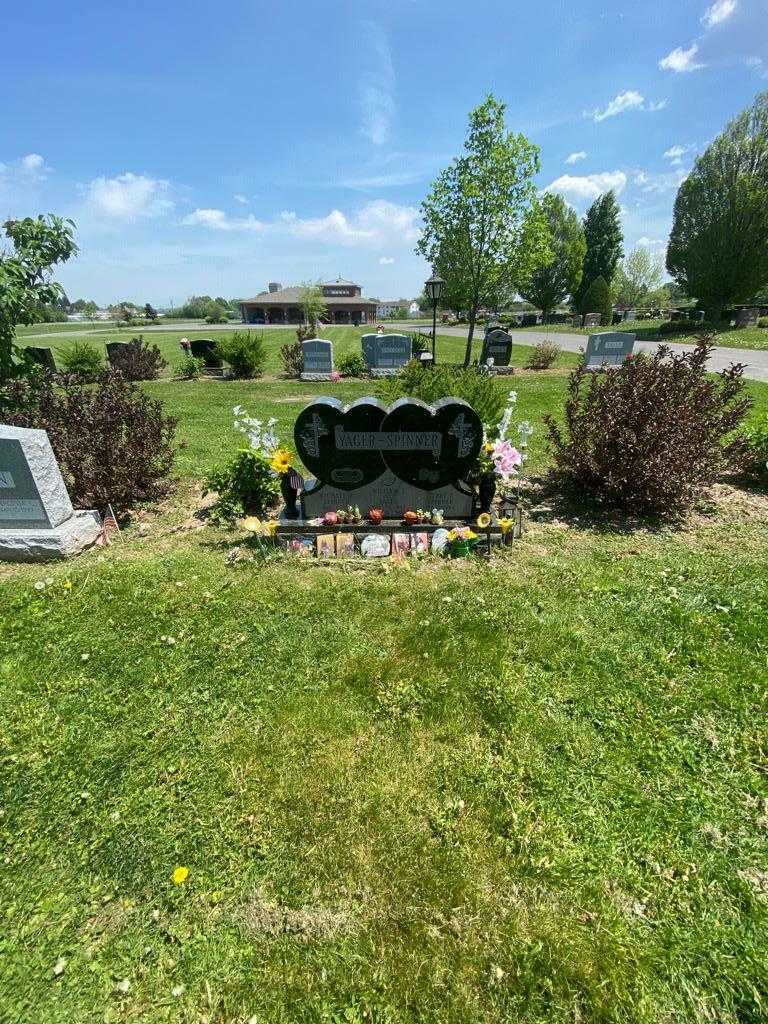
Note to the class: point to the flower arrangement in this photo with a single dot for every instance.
(460, 542)
(249, 483)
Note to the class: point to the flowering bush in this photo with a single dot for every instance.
(248, 484)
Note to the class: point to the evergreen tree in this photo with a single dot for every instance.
(551, 284)
(602, 230)
(718, 249)
(597, 299)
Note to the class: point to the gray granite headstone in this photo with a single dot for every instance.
(37, 520)
(318, 359)
(592, 319)
(747, 317)
(386, 354)
(408, 456)
(610, 348)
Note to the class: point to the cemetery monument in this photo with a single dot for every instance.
(37, 521)
(610, 348)
(386, 354)
(318, 359)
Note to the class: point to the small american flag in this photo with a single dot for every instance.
(109, 527)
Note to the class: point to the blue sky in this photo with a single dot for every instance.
(213, 148)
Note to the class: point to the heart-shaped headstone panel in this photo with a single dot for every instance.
(430, 447)
(338, 445)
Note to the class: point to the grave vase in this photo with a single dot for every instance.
(486, 490)
(289, 493)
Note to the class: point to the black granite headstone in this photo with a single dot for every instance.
(408, 456)
(43, 356)
(497, 345)
(205, 349)
(114, 348)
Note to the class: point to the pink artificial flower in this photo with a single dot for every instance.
(335, 376)
(506, 459)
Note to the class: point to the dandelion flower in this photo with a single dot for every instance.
(180, 875)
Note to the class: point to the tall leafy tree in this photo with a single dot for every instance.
(551, 284)
(718, 248)
(637, 276)
(313, 304)
(603, 234)
(597, 299)
(39, 243)
(482, 222)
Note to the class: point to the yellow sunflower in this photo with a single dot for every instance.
(281, 461)
(251, 524)
(506, 524)
(484, 520)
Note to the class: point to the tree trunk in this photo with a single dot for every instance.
(470, 335)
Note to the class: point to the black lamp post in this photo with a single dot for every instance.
(433, 287)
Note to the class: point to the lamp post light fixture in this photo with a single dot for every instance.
(433, 287)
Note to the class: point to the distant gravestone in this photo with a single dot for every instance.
(497, 345)
(114, 348)
(43, 356)
(318, 359)
(592, 319)
(529, 320)
(37, 521)
(608, 349)
(747, 317)
(629, 314)
(386, 354)
(205, 349)
(411, 455)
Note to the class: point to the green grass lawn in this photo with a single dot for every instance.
(532, 790)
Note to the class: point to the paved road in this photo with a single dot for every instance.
(755, 361)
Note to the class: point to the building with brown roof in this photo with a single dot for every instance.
(278, 305)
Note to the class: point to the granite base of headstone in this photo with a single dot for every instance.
(386, 354)
(410, 455)
(37, 521)
(318, 359)
(610, 348)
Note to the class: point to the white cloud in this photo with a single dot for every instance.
(680, 60)
(218, 220)
(385, 261)
(665, 182)
(376, 224)
(574, 158)
(589, 186)
(240, 199)
(377, 85)
(129, 196)
(29, 169)
(720, 11)
(629, 100)
(651, 243)
(675, 154)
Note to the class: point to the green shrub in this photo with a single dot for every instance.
(543, 355)
(352, 365)
(138, 360)
(481, 391)
(762, 321)
(245, 352)
(190, 367)
(113, 442)
(81, 360)
(597, 299)
(756, 438)
(652, 433)
(245, 486)
(293, 359)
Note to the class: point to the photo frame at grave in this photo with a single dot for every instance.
(410, 455)
(610, 348)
